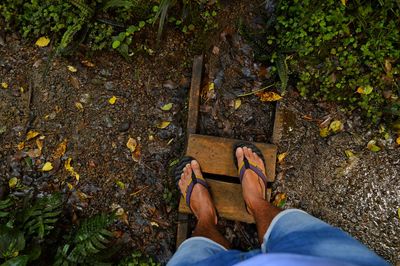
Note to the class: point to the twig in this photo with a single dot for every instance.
(138, 191)
(253, 92)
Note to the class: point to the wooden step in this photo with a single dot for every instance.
(215, 155)
(228, 200)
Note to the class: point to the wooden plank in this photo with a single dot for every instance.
(215, 155)
(278, 124)
(182, 228)
(194, 96)
(228, 200)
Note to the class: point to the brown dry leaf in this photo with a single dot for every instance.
(282, 157)
(72, 69)
(269, 96)
(34, 153)
(39, 144)
(163, 124)
(74, 82)
(60, 151)
(70, 169)
(31, 134)
(87, 63)
(280, 200)
(131, 144)
(388, 66)
(137, 153)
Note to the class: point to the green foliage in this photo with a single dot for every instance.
(90, 238)
(335, 49)
(137, 259)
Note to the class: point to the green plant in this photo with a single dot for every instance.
(335, 51)
(137, 259)
(87, 242)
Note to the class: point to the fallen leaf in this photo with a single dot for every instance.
(131, 144)
(349, 153)
(372, 146)
(269, 96)
(70, 186)
(120, 184)
(237, 104)
(72, 69)
(70, 169)
(343, 2)
(324, 132)
(281, 157)
(12, 183)
(34, 153)
(336, 126)
(42, 42)
(39, 144)
(163, 124)
(87, 63)
(174, 162)
(211, 86)
(398, 212)
(398, 140)
(112, 100)
(31, 134)
(21, 146)
(280, 200)
(48, 166)
(79, 106)
(155, 224)
(60, 150)
(388, 66)
(4, 85)
(364, 90)
(136, 154)
(167, 107)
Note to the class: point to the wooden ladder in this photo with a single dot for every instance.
(215, 156)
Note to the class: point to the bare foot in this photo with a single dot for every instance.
(200, 201)
(252, 185)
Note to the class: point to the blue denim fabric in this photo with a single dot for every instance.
(292, 231)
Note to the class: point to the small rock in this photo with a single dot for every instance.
(215, 50)
(109, 85)
(108, 121)
(97, 81)
(26, 180)
(84, 98)
(124, 126)
(169, 84)
(105, 73)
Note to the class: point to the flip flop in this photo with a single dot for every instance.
(195, 179)
(249, 164)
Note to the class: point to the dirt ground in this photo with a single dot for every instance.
(360, 194)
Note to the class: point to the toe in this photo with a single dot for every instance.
(247, 152)
(196, 167)
(239, 155)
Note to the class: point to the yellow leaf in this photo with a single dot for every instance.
(167, 107)
(70, 186)
(87, 63)
(365, 90)
(336, 126)
(237, 104)
(120, 184)
(155, 224)
(43, 42)
(349, 153)
(269, 96)
(70, 169)
(21, 145)
(281, 157)
(398, 140)
(398, 212)
(60, 150)
(280, 200)
(112, 100)
(12, 183)
(79, 106)
(136, 154)
(48, 166)
(72, 69)
(31, 134)
(39, 144)
(4, 85)
(211, 86)
(372, 146)
(324, 132)
(343, 2)
(163, 124)
(131, 144)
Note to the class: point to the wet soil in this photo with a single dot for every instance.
(360, 195)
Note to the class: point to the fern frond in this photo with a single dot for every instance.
(40, 218)
(4, 205)
(282, 68)
(118, 3)
(86, 10)
(68, 36)
(90, 238)
(162, 14)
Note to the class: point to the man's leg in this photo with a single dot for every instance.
(254, 191)
(206, 240)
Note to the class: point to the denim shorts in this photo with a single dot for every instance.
(292, 232)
